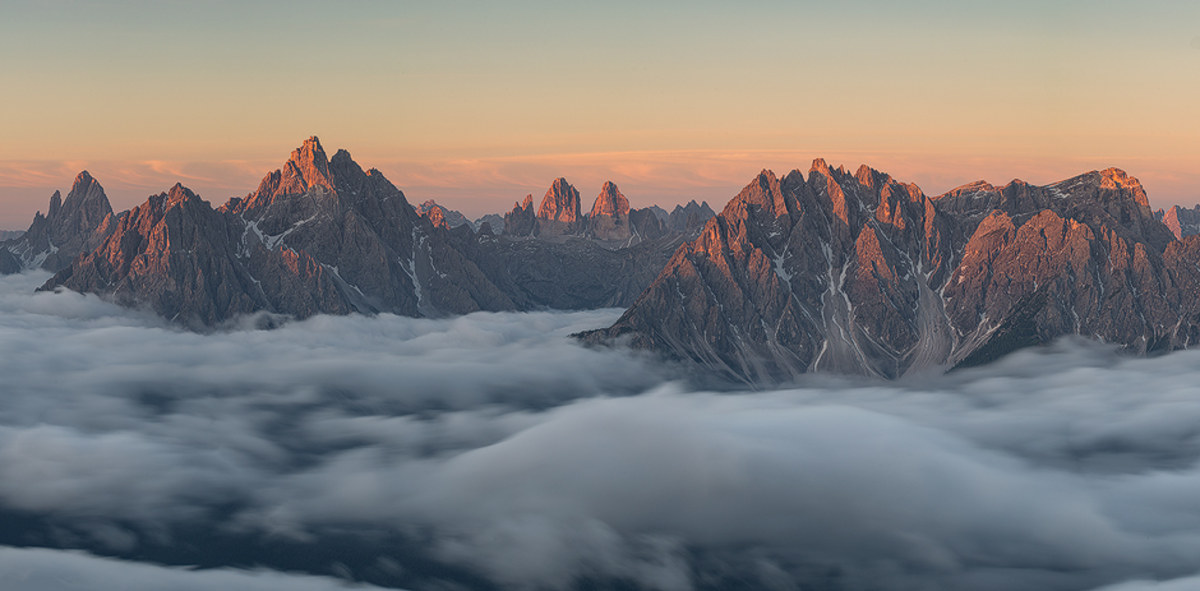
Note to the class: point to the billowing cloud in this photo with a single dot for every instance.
(40, 569)
(490, 449)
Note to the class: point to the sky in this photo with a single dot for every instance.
(476, 104)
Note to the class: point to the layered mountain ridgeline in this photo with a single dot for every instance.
(319, 235)
(1181, 221)
(610, 220)
(441, 216)
(859, 273)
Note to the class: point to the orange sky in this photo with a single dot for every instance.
(476, 105)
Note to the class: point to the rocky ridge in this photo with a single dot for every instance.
(1182, 222)
(321, 235)
(441, 216)
(859, 273)
(610, 220)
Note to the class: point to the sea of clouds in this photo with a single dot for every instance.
(490, 451)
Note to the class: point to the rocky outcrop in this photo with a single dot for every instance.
(494, 221)
(609, 218)
(9, 263)
(440, 216)
(559, 214)
(644, 224)
(71, 226)
(859, 273)
(1181, 221)
(521, 221)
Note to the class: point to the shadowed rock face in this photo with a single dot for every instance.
(71, 226)
(521, 221)
(689, 218)
(859, 273)
(185, 261)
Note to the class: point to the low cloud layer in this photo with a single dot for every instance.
(40, 569)
(490, 450)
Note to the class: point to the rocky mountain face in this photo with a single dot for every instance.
(521, 221)
(442, 217)
(321, 235)
(609, 218)
(318, 236)
(1181, 221)
(71, 226)
(859, 273)
(689, 218)
(612, 220)
(560, 213)
(9, 263)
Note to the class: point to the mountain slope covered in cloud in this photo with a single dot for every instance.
(489, 451)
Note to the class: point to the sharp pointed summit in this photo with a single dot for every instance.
(609, 218)
(610, 202)
(70, 226)
(560, 210)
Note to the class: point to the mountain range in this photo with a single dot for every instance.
(820, 271)
(859, 273)
(321, 235)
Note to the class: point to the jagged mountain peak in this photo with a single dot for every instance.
(178, 193)
(83, 179)
(308, 167)
(971, 187)
(610, 202)
(86, 189)
(55, 204)
(561, 203)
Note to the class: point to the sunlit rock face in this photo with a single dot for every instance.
(609, 218)
(859, 273)
(1181, 221)
(560, 212)
(71, 226)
